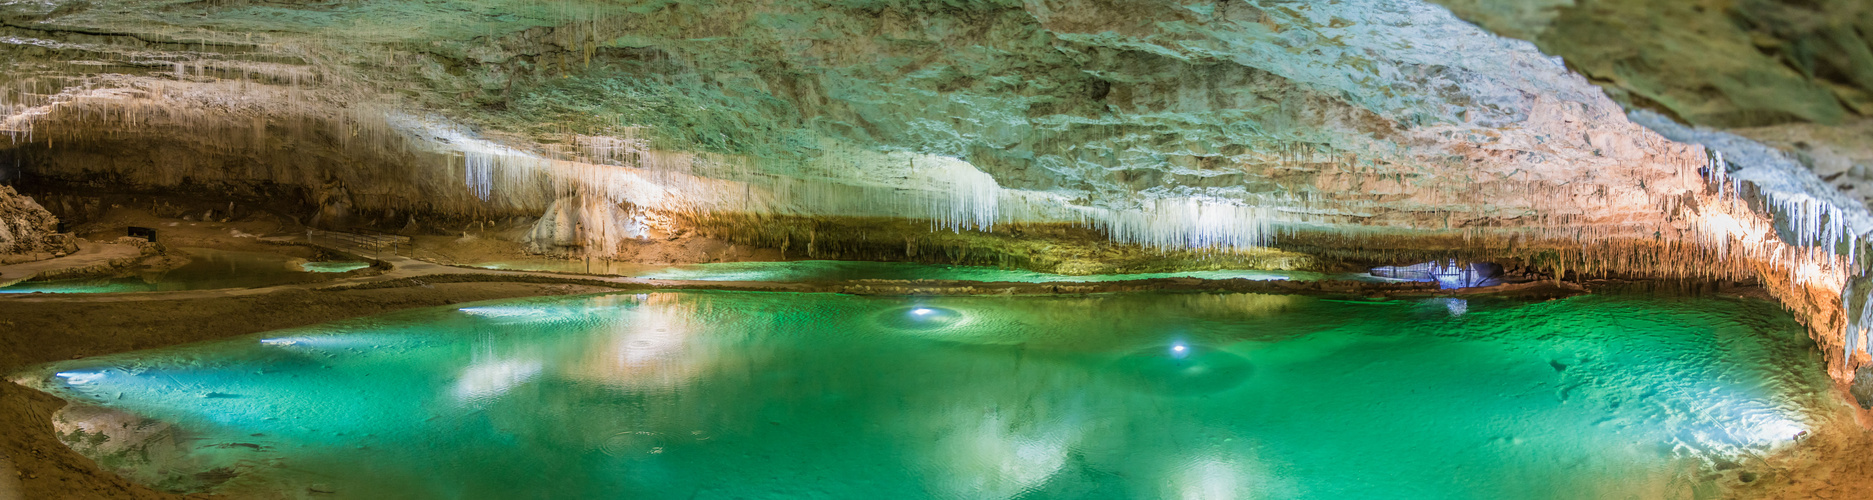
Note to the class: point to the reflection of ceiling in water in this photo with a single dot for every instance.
(653, 344)
(1139, 395)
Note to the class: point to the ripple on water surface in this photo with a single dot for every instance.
(770, 395)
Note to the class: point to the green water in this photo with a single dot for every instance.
(836, 270)
(767, 395)
(207, 269)
(343, 266)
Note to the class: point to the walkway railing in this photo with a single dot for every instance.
(375, 245)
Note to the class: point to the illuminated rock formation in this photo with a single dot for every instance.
(1794, 75)
(1364, 130)
(1166, 124)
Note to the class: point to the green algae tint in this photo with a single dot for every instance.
(770, 395)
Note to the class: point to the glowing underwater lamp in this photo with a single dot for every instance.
(921, 317)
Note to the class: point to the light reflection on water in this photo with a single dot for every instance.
(770, 395)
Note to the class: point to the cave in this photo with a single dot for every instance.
(981, 249)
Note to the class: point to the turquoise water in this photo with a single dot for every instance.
(835, 270)
(89, 285)
(344, 266)
(207, 269)
(769, 395)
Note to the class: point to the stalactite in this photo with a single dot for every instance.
(1659, 222)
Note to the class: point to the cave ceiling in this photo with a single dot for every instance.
(1357, 115)
(1794, 74)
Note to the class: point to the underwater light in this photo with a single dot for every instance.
(1180, 350)
(921, 318)
(77, 378)
(1771, 430)
(1781, 430)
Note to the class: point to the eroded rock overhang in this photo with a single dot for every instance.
(1383, 126)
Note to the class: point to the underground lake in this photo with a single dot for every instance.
(701, 394)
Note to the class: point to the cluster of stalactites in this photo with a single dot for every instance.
(1804, 252)
(953, 195)
(1188, 223)
(620, 166)
(956, 197)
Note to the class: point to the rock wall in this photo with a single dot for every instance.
(1386, 126)
(1718, 63)
(27, 231)
(1130, 116)
(1783, 89)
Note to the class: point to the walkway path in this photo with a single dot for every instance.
(89, 255)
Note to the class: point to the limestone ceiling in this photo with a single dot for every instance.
(1348, 114)
(1794, 74)
(1720, 63)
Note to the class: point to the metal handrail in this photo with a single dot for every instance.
(377, 244)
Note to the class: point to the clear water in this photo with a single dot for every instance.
(768, 395)
(343, 266)
(835, 270)
(207, 269)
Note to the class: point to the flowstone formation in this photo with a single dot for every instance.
(1363, 130)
